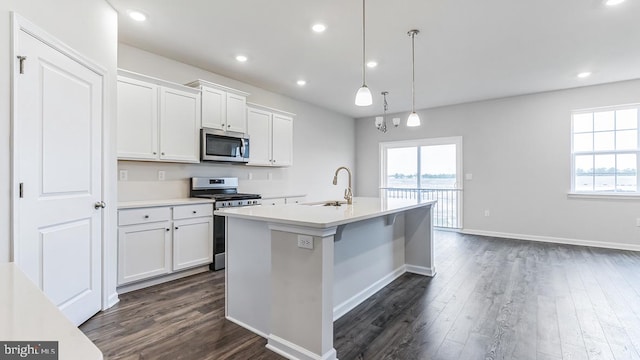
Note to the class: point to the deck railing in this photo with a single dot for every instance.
(447, 212)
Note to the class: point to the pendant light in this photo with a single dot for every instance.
(414, 119)
(363, 96)
(381, 121)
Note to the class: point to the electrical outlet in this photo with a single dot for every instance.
(250, 176)
(638, 222)
(270, 176)
(487, 213)
(468, 176)
(161, 175)
(305, 242)
(124, 175)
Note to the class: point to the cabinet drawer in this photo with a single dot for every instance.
(144, 215)
(192, 211)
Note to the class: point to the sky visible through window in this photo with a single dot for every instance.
(437, 166)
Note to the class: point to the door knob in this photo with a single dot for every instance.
(99, 204)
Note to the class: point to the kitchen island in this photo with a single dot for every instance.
(294, 269)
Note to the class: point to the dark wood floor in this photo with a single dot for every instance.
(491, 299)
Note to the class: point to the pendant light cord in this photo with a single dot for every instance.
(413, 72)
(364, 82)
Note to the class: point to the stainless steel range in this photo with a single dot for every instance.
(225, 193)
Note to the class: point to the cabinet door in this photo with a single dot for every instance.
(214, 108)
(295, 200)
(276, 201)
(192, 242)
(259, 129)
(179, 125)
(282, 140)
(144, 251)
(137, 120)
(236, 113)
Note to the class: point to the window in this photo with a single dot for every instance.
(605, 151)
(428, 169)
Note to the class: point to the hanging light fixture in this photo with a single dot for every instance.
(363, 96)
(381, 121)
(414, 119)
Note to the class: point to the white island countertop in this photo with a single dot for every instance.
(27, 315)
(316, 215)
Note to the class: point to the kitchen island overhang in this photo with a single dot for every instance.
(293, 269)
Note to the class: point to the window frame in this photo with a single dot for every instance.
(383, 146)
(615, 193)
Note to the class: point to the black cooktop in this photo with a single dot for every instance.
(229, 196)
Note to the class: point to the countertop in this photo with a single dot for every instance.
(164, 202)
(27, 315)
(318, 216)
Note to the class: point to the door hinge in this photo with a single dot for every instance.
(21, 190)
(22, 59)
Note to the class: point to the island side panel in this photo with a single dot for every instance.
(248, 279)
(368, 256)
(419, 241)
(301, 297)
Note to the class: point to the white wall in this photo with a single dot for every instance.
(323, 141)
(518, 150)
(88, 26)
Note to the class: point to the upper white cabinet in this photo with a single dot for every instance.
(157, 120)
(271, 135)
(223, 108)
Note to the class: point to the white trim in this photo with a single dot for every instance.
(556, 240)
(161, 279)
(421, 270)
(244, 325)
(297, 229)
(603, 196)
(349, 304)
(113, 299)
(295, 352)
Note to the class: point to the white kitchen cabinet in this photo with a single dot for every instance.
(157, 120)
(271, 135)
(223, 108)
(295, 200)
(157, 241)
(192, 236)
(144, 247)
(274, 201)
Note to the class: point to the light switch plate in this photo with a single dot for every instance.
(161, 175)
(123, 175)
(468, 176)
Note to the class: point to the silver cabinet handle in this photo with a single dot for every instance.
(168, 229)
(146, 216)
(155, 153)
(195, 212)
(99, 205)
(176, 228)
(162, 153)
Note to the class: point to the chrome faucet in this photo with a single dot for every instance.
(348, 195)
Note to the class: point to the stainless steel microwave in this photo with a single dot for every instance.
(225, 146)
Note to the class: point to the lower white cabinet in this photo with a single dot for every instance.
(144, 251)
(284, 200)
(192, 242)
(156, 241)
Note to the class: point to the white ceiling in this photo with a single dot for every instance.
(467, 50)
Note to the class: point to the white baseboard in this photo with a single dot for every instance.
(357, 299)
(161, 279)
(250, 328)
(557, 240)
(112, 300)
(295, 352)
(421, 270)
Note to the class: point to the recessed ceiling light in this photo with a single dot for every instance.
(319, 28)
(137, 15)
(613, 2)
(301, 82)
(372, 64)
(585, 74)
(242, 58)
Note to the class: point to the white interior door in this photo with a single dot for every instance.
(58, 118)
